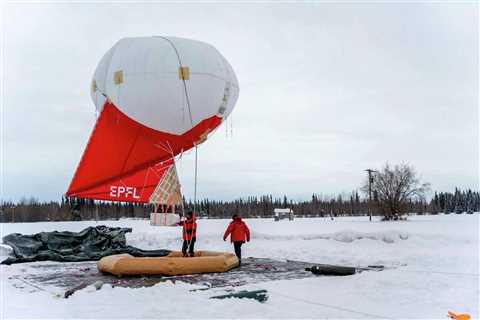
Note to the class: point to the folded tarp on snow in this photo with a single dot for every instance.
(92, 243)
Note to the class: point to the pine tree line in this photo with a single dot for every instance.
(29, 210)
(458, 202)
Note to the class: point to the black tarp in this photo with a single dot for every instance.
(92, 243)
(76, 276)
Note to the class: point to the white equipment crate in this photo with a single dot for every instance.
(164, 219)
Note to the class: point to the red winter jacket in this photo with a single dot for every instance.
(238, 230)
(189, 228)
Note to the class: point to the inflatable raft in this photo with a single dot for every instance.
(172, 264)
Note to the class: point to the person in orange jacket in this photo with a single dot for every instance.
(239, 233)
(189, 234)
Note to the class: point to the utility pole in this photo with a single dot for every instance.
(370, 181)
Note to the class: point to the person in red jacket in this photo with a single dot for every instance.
(239, 232)
(189, 234)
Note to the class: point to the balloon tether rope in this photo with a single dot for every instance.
(196, 180)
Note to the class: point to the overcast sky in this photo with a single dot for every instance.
(326, 91)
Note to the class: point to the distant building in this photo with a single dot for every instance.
(279, 214)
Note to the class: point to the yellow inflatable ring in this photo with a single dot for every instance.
(170, 265)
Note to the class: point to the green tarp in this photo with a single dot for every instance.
(92, 243)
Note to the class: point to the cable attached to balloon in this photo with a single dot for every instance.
(182, 78)
(191, 119)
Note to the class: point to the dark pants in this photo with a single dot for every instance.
(185, 247)
(237, 245)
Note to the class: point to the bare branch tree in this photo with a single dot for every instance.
(395, 187)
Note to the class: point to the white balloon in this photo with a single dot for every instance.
(142, 77)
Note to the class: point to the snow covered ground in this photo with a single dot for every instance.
(433, 260)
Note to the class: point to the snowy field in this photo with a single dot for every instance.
(432, 267)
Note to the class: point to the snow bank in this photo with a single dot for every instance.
(342, 236)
